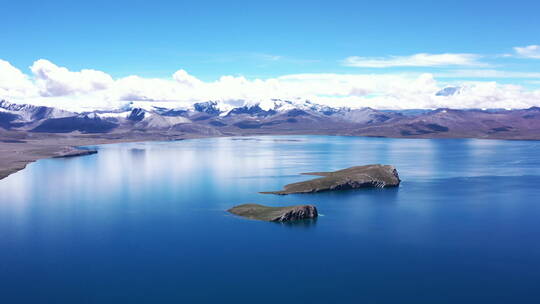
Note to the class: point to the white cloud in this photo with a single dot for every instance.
(13, 83)
(531, 51)
(492, 95)
(135, 88)
(53, 80)
(181, 76)
(486, 73)
(88, 89)
(417, 60)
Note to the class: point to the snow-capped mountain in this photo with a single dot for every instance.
(276, 116)
(26, 112)
(449, 91)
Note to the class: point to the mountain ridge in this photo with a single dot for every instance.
(277, 116)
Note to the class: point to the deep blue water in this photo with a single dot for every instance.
(145, 223)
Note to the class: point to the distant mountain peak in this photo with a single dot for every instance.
(28, 112)
(449, 91)
(208, 107)
(254, 110)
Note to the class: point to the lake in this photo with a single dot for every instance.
(146, 223)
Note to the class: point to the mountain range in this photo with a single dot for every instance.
(214, 118)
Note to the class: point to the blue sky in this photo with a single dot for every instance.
(261, 39)
(384, 54)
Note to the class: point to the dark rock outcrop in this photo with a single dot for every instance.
(254, 110)
(275, 214)
(370, 176)
(136, 114)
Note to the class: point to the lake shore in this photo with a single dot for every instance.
(18, 149)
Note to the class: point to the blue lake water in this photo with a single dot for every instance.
(145, 223)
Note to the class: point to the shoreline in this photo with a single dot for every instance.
(19, 149)
(16, 154)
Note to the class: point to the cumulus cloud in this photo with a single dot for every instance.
(53, 80)
(89, 89)
(135, 88)
(531, 51)
(13, 83)
(416, 60)
(181, 76)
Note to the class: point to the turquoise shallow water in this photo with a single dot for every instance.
(145, 223)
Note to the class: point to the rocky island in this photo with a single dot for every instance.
(275, 214)
(370, 176)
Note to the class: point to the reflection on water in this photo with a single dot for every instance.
(308, 223)
(146, 222)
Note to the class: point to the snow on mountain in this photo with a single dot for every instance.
(154, 116)
(449, 91)
(212, 107)
(156, 121)
(28, 112)
(124, 114)
(218, 117)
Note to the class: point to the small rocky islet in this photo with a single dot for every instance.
(275, 214)
(369, 176)
(75, 152)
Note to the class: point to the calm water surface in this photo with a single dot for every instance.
(145, 223)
